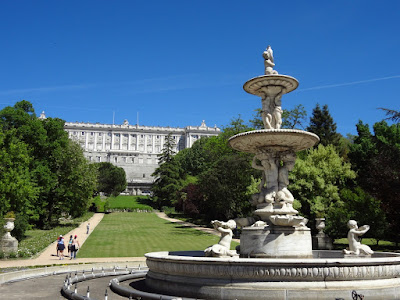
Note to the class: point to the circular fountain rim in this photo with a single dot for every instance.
(253, 85)
(184, 256)
(265, 138)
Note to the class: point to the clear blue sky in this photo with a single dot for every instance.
(179, 62)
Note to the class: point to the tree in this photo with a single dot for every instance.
(168, 176)
(224, 188)
(358, 205)
(17, 187)
(294, 118)
(291, 119)
(322, 124)
(196, 159)
(391, 114)
(316, 181)
(375, 157)
(111, 180)
(58, 168)
(168, 150)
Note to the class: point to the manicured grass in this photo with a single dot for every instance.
(123, 203)
(134, 234)
(129, 202)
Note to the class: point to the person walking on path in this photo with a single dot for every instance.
(75, 247)
(87, 228)
(61, 246)
(71, 238)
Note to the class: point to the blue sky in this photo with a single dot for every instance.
(175, 63)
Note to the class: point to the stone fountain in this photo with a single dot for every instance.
(276, 257)
(285, 233)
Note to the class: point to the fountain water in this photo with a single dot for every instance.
(276, 258)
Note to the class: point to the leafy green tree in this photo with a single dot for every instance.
(316, 181)
(196, 159)
(224, 188)
(17, 187)
(322, 124)
(358, 205)
(375, 157)
(58, 167)
(111, 180)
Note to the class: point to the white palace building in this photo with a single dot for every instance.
(132, 147)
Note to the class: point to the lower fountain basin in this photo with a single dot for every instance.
(328, 275)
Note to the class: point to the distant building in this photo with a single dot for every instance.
(132, 147)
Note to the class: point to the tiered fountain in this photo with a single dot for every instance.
(276, 257)
(282, 233)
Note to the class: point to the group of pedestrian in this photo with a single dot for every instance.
(73, 246)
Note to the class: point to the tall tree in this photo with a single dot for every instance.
(17, 187)
(167, 176)
(57, 167)
(375, 157)
(168, 150)
(322, 124)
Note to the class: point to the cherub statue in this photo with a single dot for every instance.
(222, 249)
(355, 247)
(269, 61)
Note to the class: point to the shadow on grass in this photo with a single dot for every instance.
(145, 200)
(181, 229)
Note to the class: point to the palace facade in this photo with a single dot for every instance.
(133, 147)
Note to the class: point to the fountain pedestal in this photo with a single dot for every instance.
(276, 242)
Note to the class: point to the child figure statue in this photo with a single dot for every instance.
(355, 247)
(222, 249)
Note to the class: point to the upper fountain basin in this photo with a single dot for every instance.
(254, 86)
(257, 141)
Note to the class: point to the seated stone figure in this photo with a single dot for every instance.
(222, 249)
(355, 247)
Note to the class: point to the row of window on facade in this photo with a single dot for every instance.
(142, 136)
(123, 159)
(150, 149)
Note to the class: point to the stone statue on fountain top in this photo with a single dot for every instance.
(269, 61)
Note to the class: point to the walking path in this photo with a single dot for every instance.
(48, 257)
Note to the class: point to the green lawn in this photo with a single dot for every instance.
(123, 202)
(134, 234)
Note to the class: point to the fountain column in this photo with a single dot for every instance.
(281, 232)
